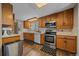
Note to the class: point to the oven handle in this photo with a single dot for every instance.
(50, 35)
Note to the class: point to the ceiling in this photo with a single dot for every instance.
(24, 11)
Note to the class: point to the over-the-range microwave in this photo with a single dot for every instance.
(50, 24)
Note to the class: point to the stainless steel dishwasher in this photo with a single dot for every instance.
(13, 49)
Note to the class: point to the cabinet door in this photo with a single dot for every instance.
(42, 39)
(42, 22)
(59, 20)
(7, 14)
(31, 36)
(25, 35)
(27, 24)
(71, 45)
(68, 19)
(60, 43)
(53, 17)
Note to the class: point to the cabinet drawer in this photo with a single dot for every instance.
(10, 39)
(66, 37)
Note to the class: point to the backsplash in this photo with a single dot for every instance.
(67, 32)
(42, 30)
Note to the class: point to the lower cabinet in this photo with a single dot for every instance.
(29, 36)
(42, 39)
(67, 43)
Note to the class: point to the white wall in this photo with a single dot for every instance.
(20, 25)
(0, 33)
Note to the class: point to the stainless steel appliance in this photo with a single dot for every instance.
(50, 35)
(50, 24)
(50, 39)
(12, 49)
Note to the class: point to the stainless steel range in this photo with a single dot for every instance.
(50, 39)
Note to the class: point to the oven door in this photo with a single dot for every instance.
(50, 38)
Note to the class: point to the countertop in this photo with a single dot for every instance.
(66, 33)
(10, 35)
(33, 31)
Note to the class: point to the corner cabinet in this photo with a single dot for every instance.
(65, 19)
(67, 43)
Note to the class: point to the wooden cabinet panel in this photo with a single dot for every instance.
(68, 18)
(67, 43)
(53, 17)
(42, 22)
(7, 14)
(71, 45)
(59, 20)
(27, 24)
(60, 43)
(42, 39)
(65, 19)
(29, 36)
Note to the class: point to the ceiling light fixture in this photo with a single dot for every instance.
(39, 5)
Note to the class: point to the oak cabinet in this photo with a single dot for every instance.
(7, 14)
(65, 19)
(60, 43)
(67, 43)
(53, 17)
(45, 19)
(59, 20)
(42, 21)
(42, 39)
(27, 24)
(31, 23)
(29, 36)
(70, 45)
(68, 19)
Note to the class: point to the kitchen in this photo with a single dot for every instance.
(39, 33)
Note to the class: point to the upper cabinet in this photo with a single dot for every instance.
(59, 20)
(45, 19)
(68, 19)
(65, 19)
(42, 21)
(31, 24)
(7, 14)
(27, 24)
(53, 17)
